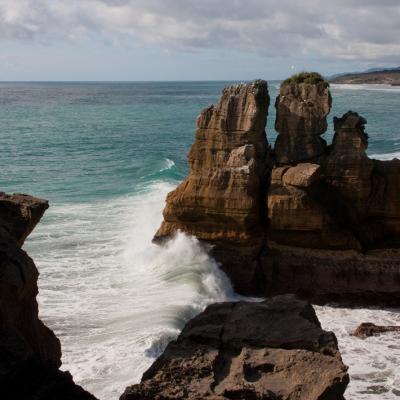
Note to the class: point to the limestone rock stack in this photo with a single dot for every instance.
(221, 198)
(301, 111)
(320, 221)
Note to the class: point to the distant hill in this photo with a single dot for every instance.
(388, 76)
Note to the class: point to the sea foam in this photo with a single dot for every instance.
(114, 299)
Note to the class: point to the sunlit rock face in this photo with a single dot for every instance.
(220, 199)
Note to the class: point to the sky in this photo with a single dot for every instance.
(136, 40)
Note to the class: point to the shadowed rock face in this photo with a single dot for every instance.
(301, 111)
(19, 309)
(30, 353)
(221, 199)
(275, 349)
(384, 205)
(20, 214)
(347, 166)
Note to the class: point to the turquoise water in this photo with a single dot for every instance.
(106, 155)
(81, 141)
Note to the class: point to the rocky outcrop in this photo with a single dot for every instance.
(30, 353)
(367, 329)
(222, 201)
(325, 231)
(305, 218)
(343, 276)
(274, 349)
(301, 111)
(347, 166)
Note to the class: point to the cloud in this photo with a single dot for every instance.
(363, 30)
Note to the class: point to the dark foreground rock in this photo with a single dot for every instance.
(274, 349)
(367, 329)
(30, 353)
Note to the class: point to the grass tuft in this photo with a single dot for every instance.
(313, 78)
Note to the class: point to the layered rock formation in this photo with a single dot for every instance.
(301, 111)
(30, 353)
(223, 200)
(333, 214)
(220, 199)
(347, 166)
(349, 206)
(275, 349)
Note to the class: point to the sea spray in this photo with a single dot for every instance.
(113, 297)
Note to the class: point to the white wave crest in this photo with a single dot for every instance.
(168, 165)
(373, 87)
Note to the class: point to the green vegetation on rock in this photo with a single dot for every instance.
(313, 78)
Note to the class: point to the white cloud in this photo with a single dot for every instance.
(339, 29)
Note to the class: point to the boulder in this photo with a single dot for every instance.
(273, 349)
(367, 329)
(301, 111)
(302, 175)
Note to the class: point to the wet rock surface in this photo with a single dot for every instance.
(367, 329)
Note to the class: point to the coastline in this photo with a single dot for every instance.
(66, 248)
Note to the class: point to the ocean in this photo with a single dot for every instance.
(105, 155)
